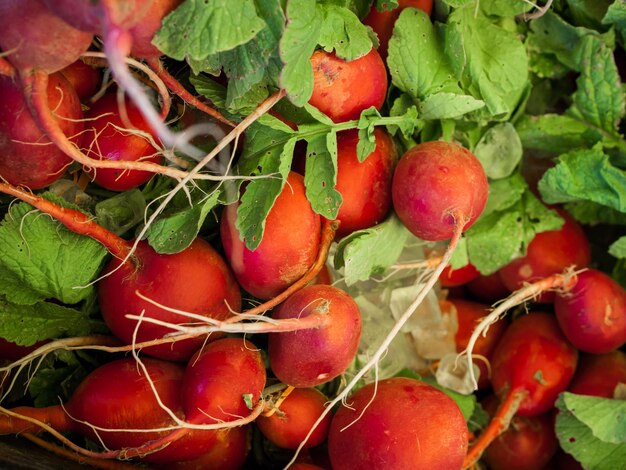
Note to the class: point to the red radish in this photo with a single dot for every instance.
(27, 156)
(307, 358)
(289, 424)
(339, 90)
(531, 365)
(12, 352)
(437, 186)
(528, 444)
(549, 253)
(592, 314)
(399, 423)
(382, 22)
(84, 78)
(108, 398)
(288, 248)
(196, 280)
(48, 44)
(143, 32)
(222, 381)
(488, 289)
(468, 314)
(599, 375)
(365, 187)
(304, 466)
(458, 277)
(108, 136)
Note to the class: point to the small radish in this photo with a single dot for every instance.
(310, 357)
(549, 253)
(531, 365)
(592, 314)
(398, 423)
(458, 277)
(365, 187)
(488, 289)
(289, 246)
(108, 136)
(289, 424)
(437, 186)
(27, 156)
(339, 90)
(84, 78)
(599, 375)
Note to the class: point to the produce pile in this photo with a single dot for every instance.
(314, 234)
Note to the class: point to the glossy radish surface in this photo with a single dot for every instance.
(114, 132)
(84, 78)
(339, 90)
(289, 246)
(403, 424)
(458, 277)
(196, 280)
(435, 182)
(598, 375)
(592, 314)
(143, 32)
(309, 357)
(365, 187)
(27, 156)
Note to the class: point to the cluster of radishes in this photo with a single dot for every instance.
(176, 309)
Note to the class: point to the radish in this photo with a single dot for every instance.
(592, 314)
(196, 280)
(290, 421)
(436, 187)
(307, 358)
(365, 187)
(488, 289)
(288, 248)
(84, 78)
(108, 136)
(531, 365)
(27, 156)
(599, 375)
(339, 90)
(549, 253)
(398, 423)
(458, 277)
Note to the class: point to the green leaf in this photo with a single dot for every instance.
(588, 13)
(121, 212)
(590, 213)
(616, 16)
(386, 5)
(297, 44)
(618, 248)
(416, 60)
(556, 133)
(41, 259)
(599, 98)
(592, 429)
(365, 253)
(460, 257)
(27, 324)
(199, 28)
(176, 231)
(343, 32)
(320, 175)
(448, 106)
(497, 75)
(585, 175)
(505, 8)
(499, 150)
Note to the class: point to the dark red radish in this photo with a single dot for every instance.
(365, 187)
(288, 426)
(339, 88)
(11, 351)
(468, 314)
(598, 375)
(436, 187)
(143, 32)
(36, 39)
(592, 313)
(306, 358)
(115, 132)
(27, 156)
(304, 466)
(108, 398)
(223, 381)
(382, 22)
(195, 280)
(488, 289)
(458, 277)
(288, 248)
(528, 444)
(532, 364)
(84, 78)
(549, 253)
(399, 423)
